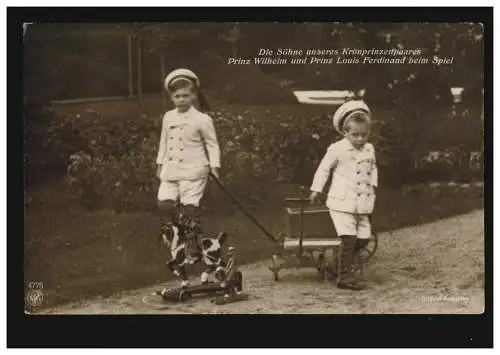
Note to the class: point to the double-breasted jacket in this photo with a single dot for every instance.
(188, 145)
(354, 177)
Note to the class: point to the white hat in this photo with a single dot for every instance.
(346, 110)
(181, 73)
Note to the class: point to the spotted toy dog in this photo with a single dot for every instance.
(175, 236)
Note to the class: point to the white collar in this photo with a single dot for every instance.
(190, 111)
(350, 147)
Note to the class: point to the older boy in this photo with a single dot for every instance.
(183, 164)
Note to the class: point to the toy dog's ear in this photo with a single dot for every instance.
(166, 235)
(222, 237)
(206, 243)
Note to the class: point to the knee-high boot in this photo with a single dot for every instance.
(347, 280)
(167, 210)
(360, 245)
(192, 213)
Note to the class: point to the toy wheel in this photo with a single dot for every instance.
(169, 294)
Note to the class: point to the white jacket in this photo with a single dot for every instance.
(354, 177)
(184, 138)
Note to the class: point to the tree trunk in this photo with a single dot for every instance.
(417, 137)
(130, 70)
(139, 72)
(163, 74)
(482, 109)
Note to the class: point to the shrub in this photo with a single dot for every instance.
(112, 159)
(49, 142)
(120, 170)
(126, 183)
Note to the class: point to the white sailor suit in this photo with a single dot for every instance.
(351, 196)
(185, 164)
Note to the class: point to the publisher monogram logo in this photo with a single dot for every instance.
(34, 297)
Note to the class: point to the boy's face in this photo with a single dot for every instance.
(183, 98)
(357, 134)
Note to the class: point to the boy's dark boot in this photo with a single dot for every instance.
(347, 279)
(194, 235)
(360, 245)
(167, 209)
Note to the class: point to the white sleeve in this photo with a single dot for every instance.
(207, 130)
(163, 139)
(328, 162)
(374, 171)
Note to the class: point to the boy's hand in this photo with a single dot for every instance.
(314, 195)
(158, 171)
(215, 172)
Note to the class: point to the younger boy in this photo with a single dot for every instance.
(183, 164)
(351, 196)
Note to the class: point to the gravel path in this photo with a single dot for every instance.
(432, 268)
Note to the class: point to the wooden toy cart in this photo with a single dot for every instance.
(310, 240)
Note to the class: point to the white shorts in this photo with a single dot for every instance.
(189, 192)
(351, 224)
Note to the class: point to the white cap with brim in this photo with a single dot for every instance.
(181, 73)
(346, 110)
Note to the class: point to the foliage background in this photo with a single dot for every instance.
(107, 158)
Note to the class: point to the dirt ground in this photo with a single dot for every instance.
(435, 268)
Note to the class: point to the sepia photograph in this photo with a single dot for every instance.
(206, 168)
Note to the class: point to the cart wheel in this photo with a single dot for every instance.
(274, 267)
(365, 255)
(367, 252)
(321, 265)
(370, 249)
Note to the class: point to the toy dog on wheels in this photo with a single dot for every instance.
(229, 284)
(177, 236)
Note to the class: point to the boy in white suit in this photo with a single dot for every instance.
(351, 196)
(188, 151)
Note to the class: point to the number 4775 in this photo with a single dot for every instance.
(35, 285)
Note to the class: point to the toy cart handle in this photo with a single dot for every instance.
(269, 235)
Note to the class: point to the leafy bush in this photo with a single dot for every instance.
(49, 141)
(117, 168)
(112, 159)
(116, 171)
(452, 164)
